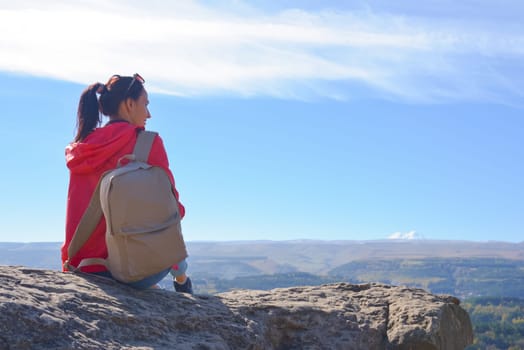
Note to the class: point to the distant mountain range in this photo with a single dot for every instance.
(42, 254)
(243, 258)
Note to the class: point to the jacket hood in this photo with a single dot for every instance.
(98, 147)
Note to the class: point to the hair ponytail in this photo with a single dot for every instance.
(88, 115)
(90, 108)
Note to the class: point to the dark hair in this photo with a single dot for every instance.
(116, 90)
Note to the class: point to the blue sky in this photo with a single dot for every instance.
(282, 120)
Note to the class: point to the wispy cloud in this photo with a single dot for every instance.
(191, 49)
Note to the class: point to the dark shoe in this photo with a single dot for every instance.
(186, 287)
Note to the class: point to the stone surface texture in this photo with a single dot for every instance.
(44, 309)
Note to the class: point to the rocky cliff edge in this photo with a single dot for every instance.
(43, 309)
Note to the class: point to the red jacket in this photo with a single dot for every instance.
(87, 161)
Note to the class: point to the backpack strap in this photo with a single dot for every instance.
(93, 213)
(86, 226)
(144, 142)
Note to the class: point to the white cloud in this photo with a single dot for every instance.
(187, 48)
(405, 235)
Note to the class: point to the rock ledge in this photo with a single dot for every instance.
(43, 309)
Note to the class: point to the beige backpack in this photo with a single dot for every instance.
(143, 234)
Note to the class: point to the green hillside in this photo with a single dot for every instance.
(498, 323)
(461, 277)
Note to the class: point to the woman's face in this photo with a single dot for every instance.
(138, 111)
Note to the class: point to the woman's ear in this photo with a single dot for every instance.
(130, 103)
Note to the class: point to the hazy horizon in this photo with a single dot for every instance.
(392, 240)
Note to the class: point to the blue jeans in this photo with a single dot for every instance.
(150, 281)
